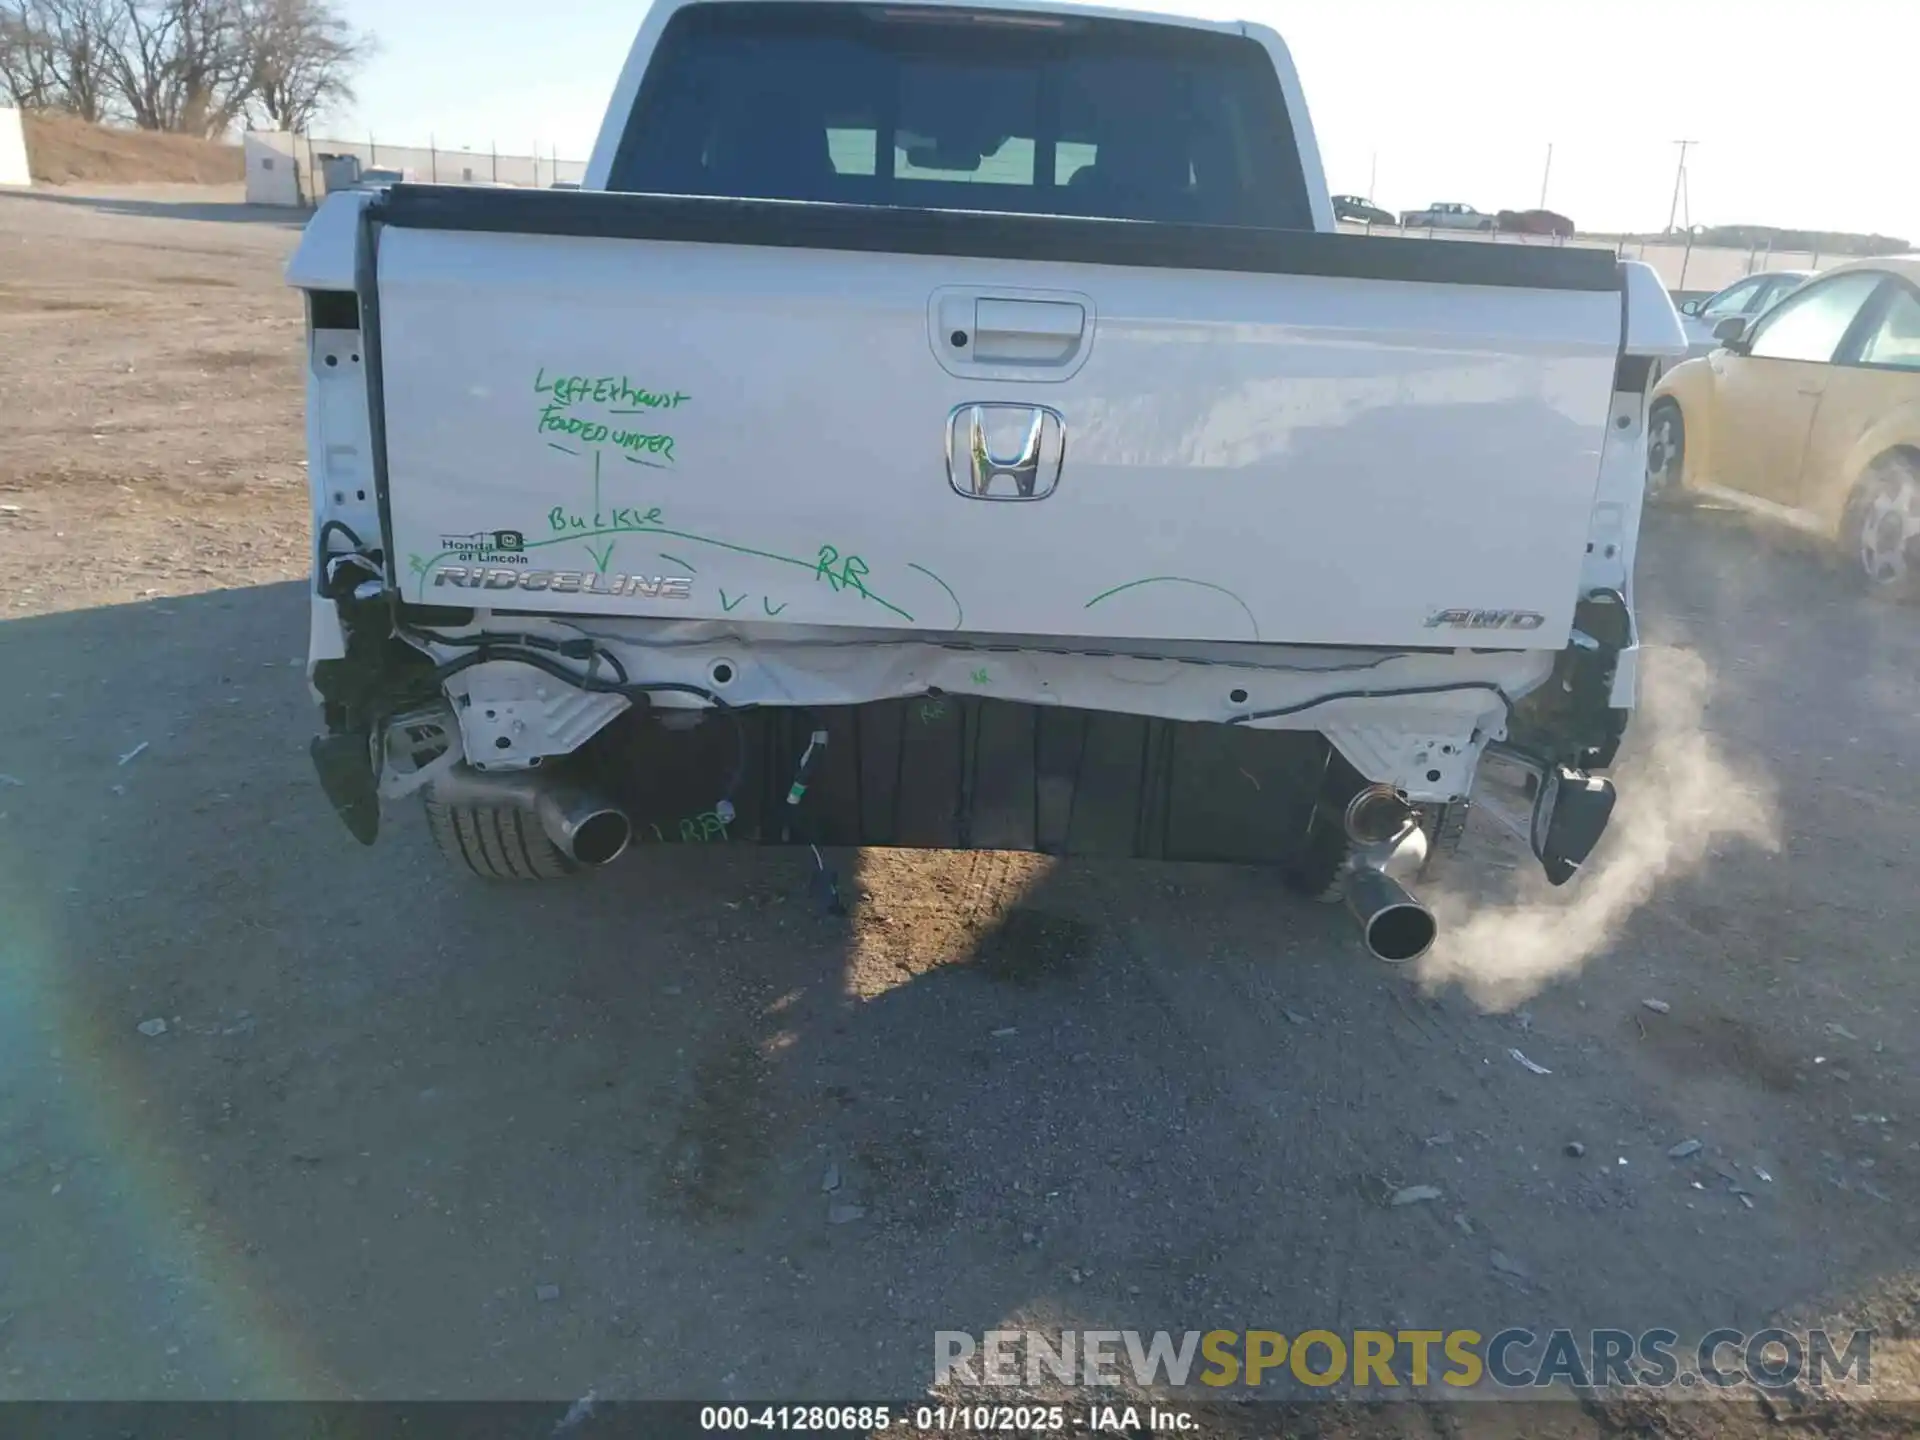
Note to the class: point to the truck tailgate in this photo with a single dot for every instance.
(785, 433)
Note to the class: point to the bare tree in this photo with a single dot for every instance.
(303, 56)
(25, 58)
(83, 61)
(60, 54)
(183, 65)
(192, 66)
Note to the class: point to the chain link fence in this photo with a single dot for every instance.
(300, 169)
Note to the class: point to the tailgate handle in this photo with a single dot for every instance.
(1027, 332)
(1037, 336)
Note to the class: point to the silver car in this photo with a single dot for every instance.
(1447, 215)
(1742, 300)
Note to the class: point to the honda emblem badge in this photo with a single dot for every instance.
(999, 451)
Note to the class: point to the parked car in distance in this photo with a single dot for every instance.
(1362, 211)
(381, 177)
(1534, 222)
(1810, 415)
(1744, 299)
(1447, 215)
(564, 185)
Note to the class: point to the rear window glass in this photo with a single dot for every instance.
(948, 109)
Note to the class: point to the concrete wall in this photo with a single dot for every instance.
(13, 150)
(273, 168)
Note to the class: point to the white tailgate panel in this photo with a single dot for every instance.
(1248, 457)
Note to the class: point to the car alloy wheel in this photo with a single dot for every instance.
(1886, 529)
(1666, 451)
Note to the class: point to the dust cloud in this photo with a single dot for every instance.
(1680, 799)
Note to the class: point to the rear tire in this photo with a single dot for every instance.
(1666, 454)
(1880, 532)
(496, 842)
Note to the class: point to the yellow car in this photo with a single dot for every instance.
(1810, 415)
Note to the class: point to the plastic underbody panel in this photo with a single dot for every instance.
(947, 772)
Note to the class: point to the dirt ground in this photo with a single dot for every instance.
(407, 1136)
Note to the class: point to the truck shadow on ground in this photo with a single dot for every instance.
(672, 1130)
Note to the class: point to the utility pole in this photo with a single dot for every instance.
(1679, 174)
(1544, 174)
(1373, 174)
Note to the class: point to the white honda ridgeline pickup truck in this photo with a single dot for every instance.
(956, 425)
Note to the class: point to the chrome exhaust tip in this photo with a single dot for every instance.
(1387, 841)
(1394, 926)
(586, 828)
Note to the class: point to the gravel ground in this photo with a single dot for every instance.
(406, 1136)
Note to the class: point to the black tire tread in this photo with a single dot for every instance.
(495, 842)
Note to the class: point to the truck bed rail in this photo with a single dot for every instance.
(1066, 239)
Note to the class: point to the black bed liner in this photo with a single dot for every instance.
(1066, 239)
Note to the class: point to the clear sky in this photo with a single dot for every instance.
(1804, 114)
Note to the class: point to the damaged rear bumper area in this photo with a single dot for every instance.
(938, 772)
(1351, 788)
